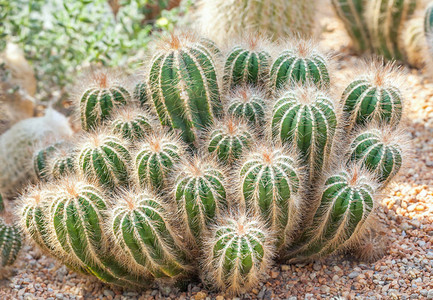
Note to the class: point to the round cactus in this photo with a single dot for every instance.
(98, 101)
(141, 227)
(201, 196)
(156, 158)
(248, 63)
(248, 104)
(302, 63)
(184, 86)
(373, 97)
(238, 254)
(347, 200)
(10, 243)
(269, 185)
(55, 161)
(379, 151)
(228, 139)
(305, 118)
(105, 158)
(63, 163)
(141, 93)
(41, 159)
(131, 123)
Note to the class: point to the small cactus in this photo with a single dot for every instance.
(381, 151)
(2, 204)
(106, 158)
(141, 227)
(301, 63)
(270, 181)
(201, 196)
(141, 93)
(306, 118)
(373, 97)
(249, 104)
(238, 254)
(55, 161)
(184, 87)
(247, 63)
(10, 243)
(229, 139)
(99, 99)
(63, 163)
(131, 123)
(156, 157)
(41, 159)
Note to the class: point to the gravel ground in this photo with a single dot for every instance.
(405, 272)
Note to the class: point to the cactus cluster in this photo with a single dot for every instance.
(239, 170)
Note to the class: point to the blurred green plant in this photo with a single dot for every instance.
(61, 37)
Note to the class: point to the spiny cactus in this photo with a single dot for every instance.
(247, 63)
(229, 139)
(270, 180)
(131, 123)
(63, 163)
(237, 254)
(306, 118)
(156, 157)
(224, 20)
(55, 161)
(141, 93)
(141, 226)
(184, 86)
(301, 63)
(2, 204)
(106, 158)
(351, 12)
(346, 203)
(99, 99)
(10, 243)
(249, 104)
(201, 196)
(40, 161)
(381, 151)
(374, 96)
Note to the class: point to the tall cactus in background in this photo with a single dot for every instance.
(414, 41)
(223, 20)
(238, 254)
(99, 99)
(270, 181)
(302, 63)
(306, 118)
(428, 28)
(183, 85)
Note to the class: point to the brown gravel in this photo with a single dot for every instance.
(405, 272)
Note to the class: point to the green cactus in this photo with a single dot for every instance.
(141, 93)
(229, 139)
(238, 254)
(247, 63)
(351, 12)
(248, 104)
(428, 27)
(157, 156)
(373, 97)
(76, 226)
(305, 118)
(381, 151)
(2, 204)
(141, 227)
(131, 123)
(64, 163)
(40, 161)
(105, 158)
(55, 161)
(347, 200)
(303, 63)
(201, 196)
(10, 243)
(184, 86)
(98, 101)
(270, 181)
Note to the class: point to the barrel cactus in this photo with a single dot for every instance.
(100, 98)
(248, 104)
(229, 139)
(141, 226)
(301, 63)
(237, 254)
(247, 63)
(131, 123)
(10, 243)
(41, 160)
(374, 96)
(183, 85)
(63, 163)
(55, 161)
(200, 191)
(306, 118)
(270, 180)
(105, 158)
(141, 93)
(156, 158)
